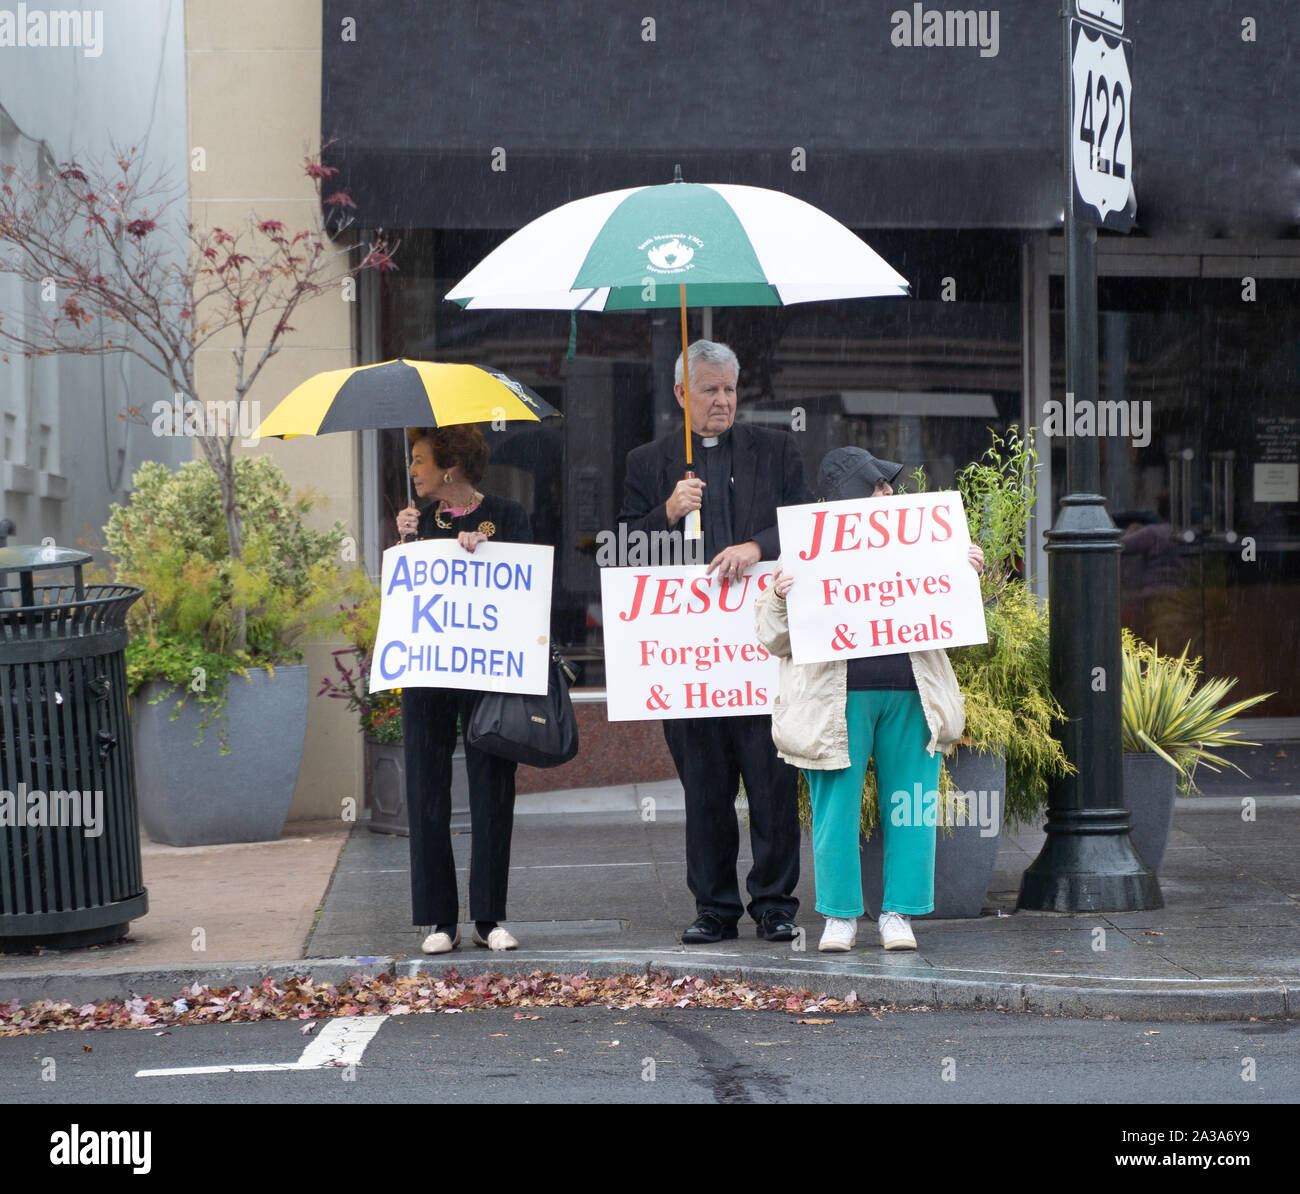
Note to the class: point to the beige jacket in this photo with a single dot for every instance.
(809, 724)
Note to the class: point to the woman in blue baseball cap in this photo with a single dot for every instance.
(832, 717)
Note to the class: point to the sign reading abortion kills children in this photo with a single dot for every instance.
(680, 643)
(879, 576)
(450, 618)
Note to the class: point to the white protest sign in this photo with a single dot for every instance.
(879, 576)
(681, 643)
(450, 618)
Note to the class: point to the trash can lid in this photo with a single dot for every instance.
(34, 558)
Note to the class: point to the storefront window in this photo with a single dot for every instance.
(1204, 484)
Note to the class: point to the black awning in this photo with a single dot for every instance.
(581, 101)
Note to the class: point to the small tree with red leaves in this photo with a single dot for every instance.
(98, 235)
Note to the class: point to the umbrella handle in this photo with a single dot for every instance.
(691, 524)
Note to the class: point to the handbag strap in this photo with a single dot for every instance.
(564, 665)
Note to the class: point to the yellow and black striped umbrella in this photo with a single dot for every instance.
(402, 393)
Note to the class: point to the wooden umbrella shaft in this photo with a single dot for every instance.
(686, 384)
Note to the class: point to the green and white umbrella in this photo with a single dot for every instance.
(729, 245)
(679, 245)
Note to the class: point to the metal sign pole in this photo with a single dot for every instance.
(1087, 863)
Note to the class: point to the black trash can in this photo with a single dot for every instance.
(69, 837)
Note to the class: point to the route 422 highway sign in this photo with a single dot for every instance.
(1101, 119)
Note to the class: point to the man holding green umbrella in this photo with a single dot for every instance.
(743, 473)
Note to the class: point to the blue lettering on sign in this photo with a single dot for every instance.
(472, 574)
(401, 575)
(423, 613)
(477, 661)
(522, 577)
(383, 661)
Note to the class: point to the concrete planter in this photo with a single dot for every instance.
(195, 795)
(1150, 790)
(963, 859)
(386, 786)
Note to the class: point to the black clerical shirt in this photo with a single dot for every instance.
(713, 465)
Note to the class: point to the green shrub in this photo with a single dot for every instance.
(171, 539)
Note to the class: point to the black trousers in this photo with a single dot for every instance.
(712, 755)
(429, 738)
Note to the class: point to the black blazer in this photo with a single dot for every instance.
(768, 473)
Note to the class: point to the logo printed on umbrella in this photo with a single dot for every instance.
(518, 390)
(670, 254)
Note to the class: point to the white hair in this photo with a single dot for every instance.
(710, 352)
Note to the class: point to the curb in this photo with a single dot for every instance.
(1195, 1002)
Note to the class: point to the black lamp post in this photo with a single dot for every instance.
(1087, 863)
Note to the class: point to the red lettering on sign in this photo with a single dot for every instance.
(879, 521)
(727, 588)
(819, 521)
(630, 614)
(700, 590)
(848, 524)
(665, 584)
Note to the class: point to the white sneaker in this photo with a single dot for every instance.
(839, 935)
(895, 931)
(440, 943)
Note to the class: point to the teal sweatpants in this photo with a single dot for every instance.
(891, 725)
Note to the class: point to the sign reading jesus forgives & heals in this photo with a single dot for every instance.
(879, 576)
(450, 618)
(680, 642)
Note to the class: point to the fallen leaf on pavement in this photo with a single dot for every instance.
(298, 998)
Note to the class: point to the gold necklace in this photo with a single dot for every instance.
(475, 499)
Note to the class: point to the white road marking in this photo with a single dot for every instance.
(342, 1041)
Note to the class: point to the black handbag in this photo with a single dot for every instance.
(537, 729)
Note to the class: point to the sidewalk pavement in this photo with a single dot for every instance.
(595, 887)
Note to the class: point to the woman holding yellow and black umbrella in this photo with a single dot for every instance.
(447, 465)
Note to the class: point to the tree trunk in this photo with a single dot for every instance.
(234, 529)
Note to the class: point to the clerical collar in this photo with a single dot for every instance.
(712, 441)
